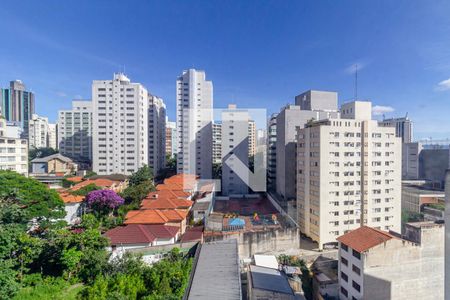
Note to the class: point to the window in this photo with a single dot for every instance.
(344, 246)
(344, 276)
(356, 286)
(356, 270)
(356, 254)
(344, 261)
(344, 291)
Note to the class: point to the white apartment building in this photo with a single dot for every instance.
(194, 123)
(378, 265)
(156, 134)
(217, 142)
(13, 151)
(272, 151)
(120, 125)
(52, 138)
(251, 138)
(403, 128)
(38, 131)
(171, 137)
(235, 147)
(75, 130)
(348, 175)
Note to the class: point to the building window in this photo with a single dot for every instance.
(344, 276)
(344, 246)
(356, 254)
(344, 261)
(356, 286)
(344, 292)
(356, 270)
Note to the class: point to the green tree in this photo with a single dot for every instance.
(143, 174)
(8, 283)
(40, 152)
(37, 201)
(71, 258)
(83, 191)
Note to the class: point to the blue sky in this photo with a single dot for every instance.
(259, 54)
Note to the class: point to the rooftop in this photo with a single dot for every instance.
(217, 275)
(50, 157)
(154, 216)
(140, 234)
(364, 238)
(270, 280)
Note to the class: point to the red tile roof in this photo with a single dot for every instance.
(154, 216)
(139, 234)
(192, 234)
(165, 203)
(103, 183)
(145, 216)
(68, 198)
(75, 178)
(364, 238)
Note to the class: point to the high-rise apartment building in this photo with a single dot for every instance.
(17, 104)
(120, 125)
(75, 131)
(235, 147)
(403, 128)
(251, 138)
(310, 105)
(348, 175)
(194, 123)
(52, 140)
(217, 142)
(13, 151)
(38, 132)
(171, 137)
(156, 134)
(272, 152)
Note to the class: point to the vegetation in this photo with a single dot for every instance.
(85, 190)
(89, 174)
(49, 260)
(40, 152)
(217, 171)
(306, 276)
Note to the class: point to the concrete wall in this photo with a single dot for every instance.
(269, 241)
(403, 270)
(433, 163)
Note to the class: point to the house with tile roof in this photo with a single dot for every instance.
(158, 217)
(53, 164)
(134, 236)
(72, 206)
(115, 185)
(374, 264)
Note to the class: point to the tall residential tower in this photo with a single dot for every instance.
(194, 123)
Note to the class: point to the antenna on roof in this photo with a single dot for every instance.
(356, 82)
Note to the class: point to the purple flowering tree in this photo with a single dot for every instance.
(103, 201)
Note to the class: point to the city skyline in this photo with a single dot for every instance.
(263, 60)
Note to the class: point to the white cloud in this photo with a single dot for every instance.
(61, 94)
(378, 110)
(444, 85)
(352, 68)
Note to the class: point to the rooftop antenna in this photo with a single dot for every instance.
(356, 82)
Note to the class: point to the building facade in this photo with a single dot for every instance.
(38, 132)
(251, 138)
(17, 105)
(348, 175)
(156, 134)
(52, 140)
(13, 151)
(410, 160)
(403, 128)
(75, 130)
(378, 265)
(120, 125)
(217, 142)
(235, 147)
(194, 123)
(171, 138)
(271, 152)
(310, 105)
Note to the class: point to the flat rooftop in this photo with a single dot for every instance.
(217, 275)
(270, 280)
(422, 190)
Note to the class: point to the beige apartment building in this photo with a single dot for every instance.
(13, 151)
(348, 175)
